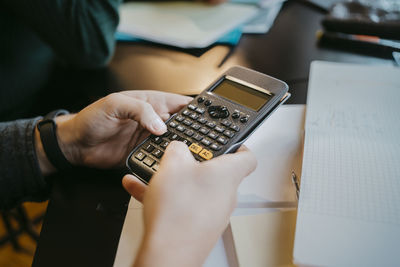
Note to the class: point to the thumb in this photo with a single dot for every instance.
(175, 153)
(134, 186)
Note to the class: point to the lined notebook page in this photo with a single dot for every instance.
(351, 166)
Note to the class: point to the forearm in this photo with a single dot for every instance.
(174, 247)
(80, 32)
(20, 175)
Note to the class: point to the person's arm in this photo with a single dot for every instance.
(81, 32)
(187, 205)
(100, 136)
(20, 175)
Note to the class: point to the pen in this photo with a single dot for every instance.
(230, 52)
(371, 45)
(295, 182)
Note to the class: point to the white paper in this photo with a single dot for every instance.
(265, 18)
(278, 146)
(264, 240)
(349, 212)
(182, 24)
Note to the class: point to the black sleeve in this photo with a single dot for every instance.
(81, 32)
(20, 176)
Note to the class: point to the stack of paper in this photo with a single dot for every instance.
(264, 240)
(194, 24)
(182, 24)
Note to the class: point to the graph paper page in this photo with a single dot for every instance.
(349, 209)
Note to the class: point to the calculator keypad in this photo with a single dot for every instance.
(199, 128)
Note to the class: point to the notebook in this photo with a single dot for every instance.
(349, 208)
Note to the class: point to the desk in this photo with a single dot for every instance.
(87, 208)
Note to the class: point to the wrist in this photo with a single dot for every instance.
(67, 140)
(172, 248)
(45, 165)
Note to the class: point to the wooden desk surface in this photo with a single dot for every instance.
(87, 208)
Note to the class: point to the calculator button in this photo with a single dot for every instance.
(180, 128)
(186, 112)
(155, 167)
(174, 137)
(189, 132)
(204, 130)
(210, 124)
(186, 142)
(205, 142)
(205, 154)
(192, 107)
(244, 119)
(149, 161)
(212, 135)
(140, 155)
(198, 137)
(164, 144)
(157, 140)
(222, 140)
(218, 111)
(195, 148)
(158, 153)
(228, 133)
(215, 147)
(208, 102)
(235, 127)
(149, 147)
(200, 110)
(200, 99)
(226, 123)
(194, 116)
(235, 115)
(202, 120)
(172, 124)
(179, 118)
(187, 122)
(213, 114)
(219, 129)
(196, 126)
(166, 134)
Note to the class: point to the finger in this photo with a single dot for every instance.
(239, 164)
(175, 153)
(175, 102)
(124, 107)
(134, 186)
(161, 101)
(165, 116)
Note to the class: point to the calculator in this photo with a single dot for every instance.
(215, 122)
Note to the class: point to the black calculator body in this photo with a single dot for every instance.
(217, 121)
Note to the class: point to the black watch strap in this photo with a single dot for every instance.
(48, 134)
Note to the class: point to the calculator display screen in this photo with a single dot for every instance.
(241, 94)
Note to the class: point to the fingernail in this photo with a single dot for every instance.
(159, 125)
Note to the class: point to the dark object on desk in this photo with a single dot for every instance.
(355, 18)
(363, 44)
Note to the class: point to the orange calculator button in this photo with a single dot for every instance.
(205, 154)
(195, 148)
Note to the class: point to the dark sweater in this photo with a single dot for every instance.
(34, 35)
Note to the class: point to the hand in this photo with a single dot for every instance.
(103, 134)
(187, 204)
